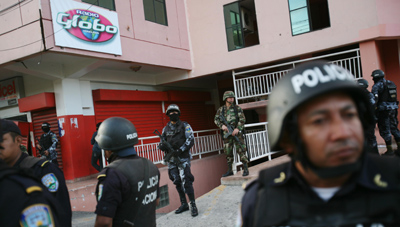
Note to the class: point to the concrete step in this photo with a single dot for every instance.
(238, 179)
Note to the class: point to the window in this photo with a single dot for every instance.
(164, 197)
(108, 4)
(155, 11)
(308, 15)
(240, 24)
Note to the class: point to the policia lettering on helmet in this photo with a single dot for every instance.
(385, 93)
(127, 191)
(370, 130)
(317, 113)
(179, 135)
(24, 200)
(49, 174)
(48, 144)
(234, 116)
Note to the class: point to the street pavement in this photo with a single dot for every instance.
(219, 207)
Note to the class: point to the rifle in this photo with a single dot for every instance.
(170, 152)
(41, 151)
(229, 133)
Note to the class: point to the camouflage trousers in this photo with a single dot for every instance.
(240, 149)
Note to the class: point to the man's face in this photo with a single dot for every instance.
(10, 149)
(230, 100)
(331, 130)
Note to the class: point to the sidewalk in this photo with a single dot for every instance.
(219, 207)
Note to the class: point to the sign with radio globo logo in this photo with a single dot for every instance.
(85, 26)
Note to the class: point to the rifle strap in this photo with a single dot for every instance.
(236, 113)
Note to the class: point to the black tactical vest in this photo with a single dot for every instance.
(137, 210)
(46, 141)
(389, 93)
(287, 205)
(177, 137)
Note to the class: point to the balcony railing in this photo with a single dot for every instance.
(205, 141)
(260, 86)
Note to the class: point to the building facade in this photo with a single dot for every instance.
(74, 64)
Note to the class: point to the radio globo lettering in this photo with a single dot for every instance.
(73, 23)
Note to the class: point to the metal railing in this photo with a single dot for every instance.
(259, 86)
(256, 142)
(205, 141)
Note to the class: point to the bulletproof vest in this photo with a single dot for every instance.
(236, 115)
(46, 141)
(389, 93)
(177, 137)
(137, 210)
(287, 205)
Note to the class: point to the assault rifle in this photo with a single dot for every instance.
(41, 151)
(229, 133)
(170, 151)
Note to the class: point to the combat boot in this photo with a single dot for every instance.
(397, 152)
(193, 209)
(389, 151)
(245, 170)
(184, 205)
(229, 172)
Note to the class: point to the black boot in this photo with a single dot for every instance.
(184, 205)
(193, 209)
(229, 172)
(245, 170)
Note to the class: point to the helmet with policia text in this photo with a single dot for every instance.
(173, 107)
(302, 84)
(228, 94)
(377, 74)
(362, 83)
(118, 135)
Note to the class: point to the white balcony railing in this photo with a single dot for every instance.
(260, 86)
(205, 141)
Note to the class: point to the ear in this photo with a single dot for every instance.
(287, 145)
(18, 139)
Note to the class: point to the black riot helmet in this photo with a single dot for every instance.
(377, 74)
(118, 135)
(45, 127)
(300, 85)
(173, 107)
(362, 83)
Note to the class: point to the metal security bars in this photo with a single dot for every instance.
(260, 86)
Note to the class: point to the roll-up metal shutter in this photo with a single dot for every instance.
(146, 116)
(50, 116)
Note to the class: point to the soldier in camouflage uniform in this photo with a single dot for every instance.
(234, 116)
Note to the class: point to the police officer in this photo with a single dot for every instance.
(50, 175)
(48, 144)
(386, 99)
(127, 191)
(370, 131)
(179, 135)
(96, 151)
(24, 200)
(234, 116)
(317, 113)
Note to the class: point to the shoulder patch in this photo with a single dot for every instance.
(188, 128)
(36, 215)
(100, 192)
(51, 182)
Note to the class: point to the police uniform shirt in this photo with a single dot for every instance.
(372, 181)
(53, 178)
(113, 189)
(25, 202)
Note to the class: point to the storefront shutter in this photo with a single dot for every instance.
(50, 116)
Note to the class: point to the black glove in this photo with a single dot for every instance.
(162, 146)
